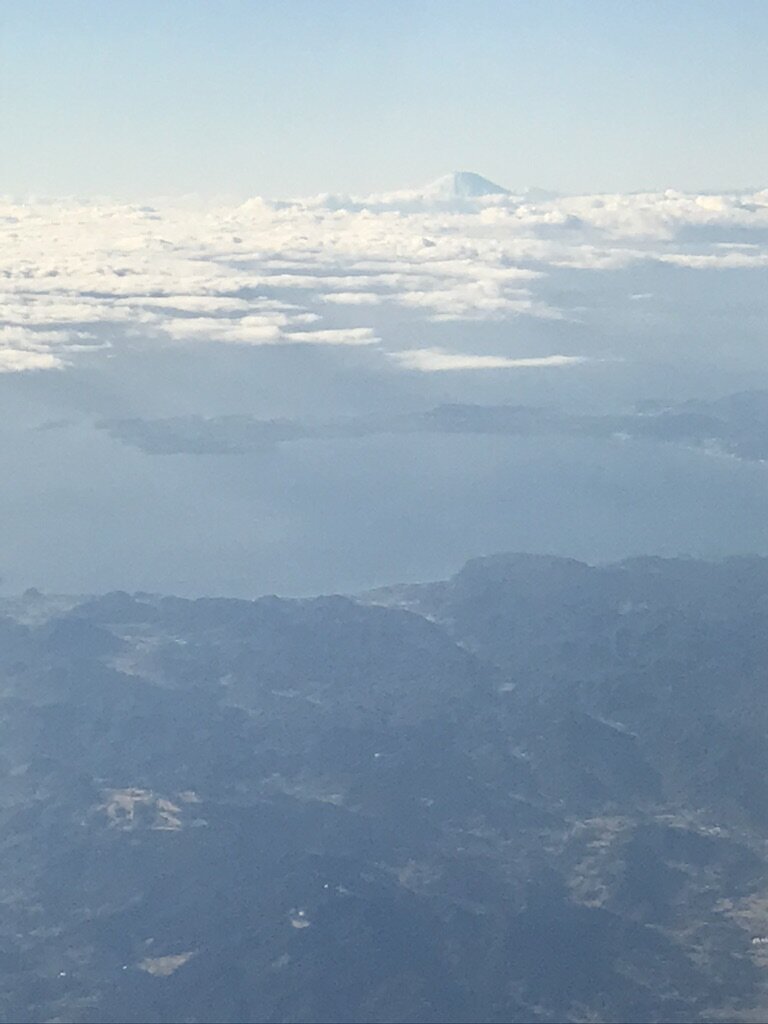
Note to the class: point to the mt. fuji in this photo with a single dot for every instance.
(463, 185)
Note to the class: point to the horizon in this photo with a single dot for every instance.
(392, 189)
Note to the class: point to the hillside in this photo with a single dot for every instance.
(534, 792)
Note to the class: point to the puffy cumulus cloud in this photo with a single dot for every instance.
(476, 300)
(17, 360)
(652, 216)
(325, 270)
(22, 347)
(210, 305)
(248, 330)
(434, 360)
(272, 329)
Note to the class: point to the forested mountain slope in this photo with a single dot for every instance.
(537, 791)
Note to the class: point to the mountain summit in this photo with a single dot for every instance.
(463, 185)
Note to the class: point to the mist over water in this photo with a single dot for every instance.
(88, 513)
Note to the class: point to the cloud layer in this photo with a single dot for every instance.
(327, 270)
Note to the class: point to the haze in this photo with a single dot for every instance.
(465, 229)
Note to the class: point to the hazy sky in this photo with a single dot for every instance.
(299, 96)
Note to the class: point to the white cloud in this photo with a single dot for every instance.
(248, 330)
(22, 349)
(209, 304)
(723, 260)
(433, 360)
(340, 336)
(18, 360)
(266, 273)
(270, 329)
(478, 300)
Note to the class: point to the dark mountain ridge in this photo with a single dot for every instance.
(537, 791)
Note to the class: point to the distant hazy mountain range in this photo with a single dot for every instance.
(735, 425)
(537, 791)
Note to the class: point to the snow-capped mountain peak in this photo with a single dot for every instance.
(462, 185)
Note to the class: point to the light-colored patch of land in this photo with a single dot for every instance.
(133, 808)
(163, 966)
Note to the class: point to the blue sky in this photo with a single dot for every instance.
(134, 98)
